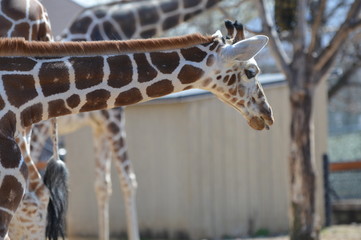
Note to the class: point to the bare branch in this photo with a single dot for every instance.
(300, 28)
(350, 23)
(278, 52)
(315, 37)
(333, 10)
(343, 80)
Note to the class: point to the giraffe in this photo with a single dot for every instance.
(130, 19)
(55, 79)
(116, 21)
(28, 19)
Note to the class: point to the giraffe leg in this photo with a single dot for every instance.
(29, 221)
(103, 188)
(128, 183)
(13, 176)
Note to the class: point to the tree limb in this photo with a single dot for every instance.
(343, 80)
(338, 39)
(276, 48)
(300, 28)
(315, 37)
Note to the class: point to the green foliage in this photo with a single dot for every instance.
(262, 232)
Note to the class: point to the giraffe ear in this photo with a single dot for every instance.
(245, 49)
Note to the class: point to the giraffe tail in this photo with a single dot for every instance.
(56, 180)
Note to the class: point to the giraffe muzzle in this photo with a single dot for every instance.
(260, 123)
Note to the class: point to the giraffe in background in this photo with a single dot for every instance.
(55, 79)
(115, 21)
(28, 19)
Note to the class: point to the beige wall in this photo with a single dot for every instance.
(200, 169)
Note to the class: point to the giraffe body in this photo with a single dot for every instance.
(122, 20)
(226, 70)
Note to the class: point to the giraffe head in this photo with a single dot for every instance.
(234, 80)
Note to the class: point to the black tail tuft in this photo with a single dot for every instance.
(56, 180)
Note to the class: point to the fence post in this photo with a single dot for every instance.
(326, 182)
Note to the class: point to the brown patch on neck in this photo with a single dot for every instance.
(20, 47)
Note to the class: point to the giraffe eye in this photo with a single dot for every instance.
(250, 73)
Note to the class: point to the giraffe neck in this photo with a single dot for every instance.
(48, 87)
(133, 19)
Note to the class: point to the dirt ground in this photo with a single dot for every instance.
(343, 232)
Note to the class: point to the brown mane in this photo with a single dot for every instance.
(20, 47)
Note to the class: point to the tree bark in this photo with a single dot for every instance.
(303, 220)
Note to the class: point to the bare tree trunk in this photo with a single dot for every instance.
(302, 165)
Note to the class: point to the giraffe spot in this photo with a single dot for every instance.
(88, 71)
(81, 25)
(31, 115)
(226, 95)
(54, 78)
(110, 31)
(12, 192)
(188, 87)
(7, 125)
(113, 128)
(148, 33)
(96, 100)
(21, 30)
(10, 155)
(5, 26)
(146, 72)
(219, 77)
(190, 74)
(100, 11)
(226, 78)
(169, 6)
(192, 14)
(96, 34)
(241, 91)
(126, 21)
(165, 62)
(41, 33)
(24, 170)
(240, 103)
(35, 11)
(57, 108)
(191, 3)
(160, 88)
(128, 97)
(232, 80)
(73, 101)
(193, 54)
(16, 64)
(13, 9)
(213, 46)
(210, 60)
(121, 71)
(148, 14)
(2, 103)
(206, 82)
(170, 22)
(19, 88)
